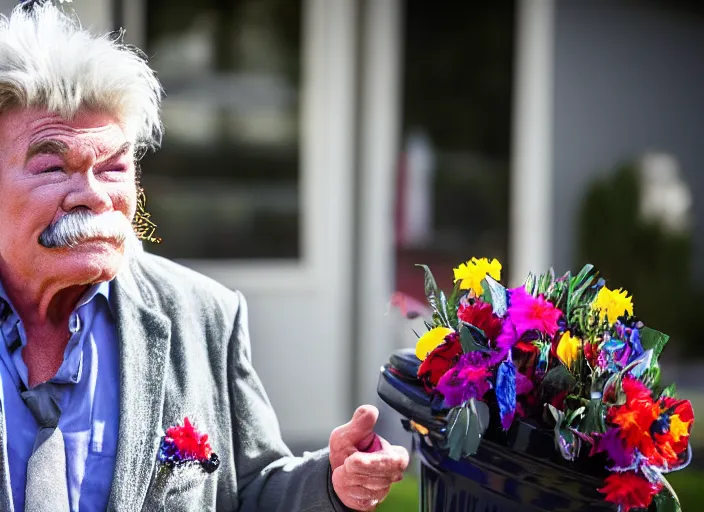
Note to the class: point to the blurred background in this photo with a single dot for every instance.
(316, 150)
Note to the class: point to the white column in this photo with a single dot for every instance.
(95, 15)
(380, 121)
(135, 21)
(531, 170)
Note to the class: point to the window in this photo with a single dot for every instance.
(225, 184)
(453, 198)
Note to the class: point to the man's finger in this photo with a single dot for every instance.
(372, 482)
(356, 497)
(386, 462)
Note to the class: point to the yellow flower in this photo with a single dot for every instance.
(470, 274)
(678, 428)
(431, 339)
(568, 349)
(612, 304)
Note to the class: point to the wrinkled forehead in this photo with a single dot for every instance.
(34, 132)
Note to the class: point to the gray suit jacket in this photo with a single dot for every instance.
(185, 351)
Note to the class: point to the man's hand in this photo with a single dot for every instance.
(364, 465)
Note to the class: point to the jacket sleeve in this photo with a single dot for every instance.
(269, 478)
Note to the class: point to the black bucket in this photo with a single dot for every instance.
(518, 470)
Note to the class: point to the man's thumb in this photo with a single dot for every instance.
(360, 430)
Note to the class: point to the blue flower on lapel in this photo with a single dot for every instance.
(183, 445)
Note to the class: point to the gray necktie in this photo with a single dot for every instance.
(46, 489)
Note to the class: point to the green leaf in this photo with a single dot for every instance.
(579, 292)
(530, 283)
(471, 339)
(546, 281)
(466, 426)
(431, 287)
(652, 339)
(432, 294)
(443, 309)
(497, 295)
(667, 500)
(457, 430)
(481, 411)
(557, 294)
(651, 377)
(478, 424)
(583, 274)
(558, 379)
(669, 391)
(577, 286)
(664, 502)
(558, 415)
(573, 415)
(453, 301)
(593, 420)
(565, 441)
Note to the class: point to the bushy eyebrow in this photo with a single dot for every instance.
(46, 147)
(57, 147)
(121, 151)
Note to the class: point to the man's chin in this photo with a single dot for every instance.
(91, 244)
(88, 261)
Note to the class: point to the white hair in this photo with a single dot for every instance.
(47, 60)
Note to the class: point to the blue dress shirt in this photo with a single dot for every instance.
(89, 378)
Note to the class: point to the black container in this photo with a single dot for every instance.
(518, 470)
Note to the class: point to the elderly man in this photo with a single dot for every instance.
(105, 349)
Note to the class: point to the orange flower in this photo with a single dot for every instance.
(658, 430)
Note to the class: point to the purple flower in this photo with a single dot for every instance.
(614, 447)
(506, 339)
(469, 378)
(523, 384)
(620, 347)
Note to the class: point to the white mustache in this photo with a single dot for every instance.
(82, 225)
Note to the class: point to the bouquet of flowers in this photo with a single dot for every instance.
(566, 354)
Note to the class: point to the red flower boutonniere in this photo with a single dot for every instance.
(185, 445)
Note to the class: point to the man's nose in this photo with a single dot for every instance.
(87, 192)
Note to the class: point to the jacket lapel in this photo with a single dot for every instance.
(144, 335)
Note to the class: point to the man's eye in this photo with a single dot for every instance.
(53, 169)
(120, 168)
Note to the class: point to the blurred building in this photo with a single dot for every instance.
(316, 149)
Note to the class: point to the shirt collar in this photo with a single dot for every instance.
(9, 317)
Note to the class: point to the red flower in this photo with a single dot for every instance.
(658, 430)
(558, 401)
(190, 443)
(439, 361)
(635, 417)
(672, 428)
(525, 355)
(481, 315)
(591, 353)
(629, 490)
(636, 390)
